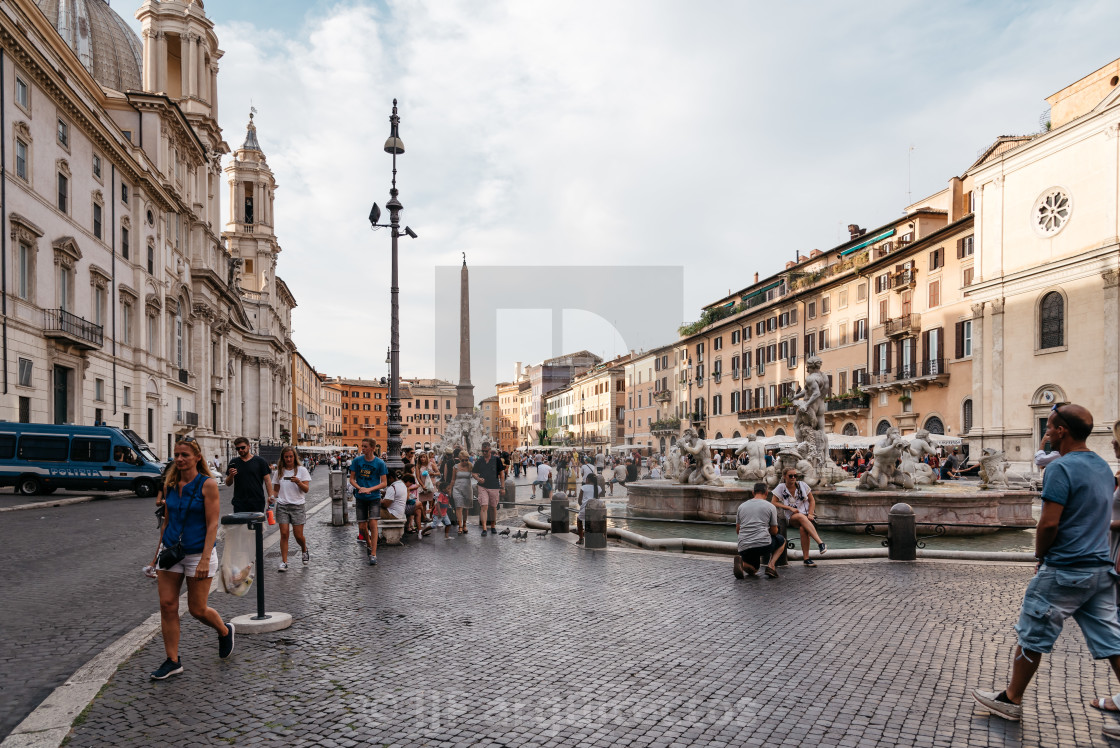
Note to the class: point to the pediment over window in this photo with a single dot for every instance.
(23, 130)
(151, 301)
(23, 228)
(98, 275)
(66, 251)
(63, 166)
(128, 291)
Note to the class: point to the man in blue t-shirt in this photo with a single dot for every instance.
(367, 476)
(1074, 572)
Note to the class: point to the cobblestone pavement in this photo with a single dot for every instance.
(71, 586)
(487, 641)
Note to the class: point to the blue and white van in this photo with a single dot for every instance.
(40, 458)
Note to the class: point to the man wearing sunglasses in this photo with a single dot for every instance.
(1074, 577)
(251, 476)
(490, 474)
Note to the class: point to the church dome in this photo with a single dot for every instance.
(106, 45)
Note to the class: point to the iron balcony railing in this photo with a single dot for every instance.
(62, 321)
(907, 324)
(186, 418)
(849, 403)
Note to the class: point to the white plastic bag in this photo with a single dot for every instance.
(238, 556)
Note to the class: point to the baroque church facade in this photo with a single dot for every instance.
(124, 301)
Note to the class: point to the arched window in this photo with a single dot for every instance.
(883, 427)
(966, 416)
(780, 432)
(700, 433)
(934, 425)
(760, 434)
(736, 435)
(719, 434)
(850, 430)
(1051, 315)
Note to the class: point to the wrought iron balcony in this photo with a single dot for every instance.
(770, 411)
(62, 325)
(907, 324)
(663, 396)
(856, 402)
(904, 279)
(932, 368)
(186, 418)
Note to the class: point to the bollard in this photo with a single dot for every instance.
(510, 493)
(559, 514)
(263, 621)
(902, 533)
(595, 524)
(337, 488)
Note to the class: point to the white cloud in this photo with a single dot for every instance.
(722, 136)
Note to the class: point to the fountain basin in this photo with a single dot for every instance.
(953, 502)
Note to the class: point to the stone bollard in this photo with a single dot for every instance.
(595, 524)
(559, 513)
(902, 533)
(511, 492)
(337, 488)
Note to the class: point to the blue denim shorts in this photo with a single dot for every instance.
(1088, 594)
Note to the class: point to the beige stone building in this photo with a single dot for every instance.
(491, 417)
(123, 299)
(307, 403)
(331, 410)
(509, 406)
(428, 408)
(1045, 303)
(599, 400)
(649, 387)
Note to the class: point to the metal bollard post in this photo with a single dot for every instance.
(902, 533)
(559, 513)
(595, 524)
(257, 527)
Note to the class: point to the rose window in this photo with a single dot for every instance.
(1052, 211)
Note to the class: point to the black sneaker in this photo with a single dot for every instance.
(167, 669)
(225, 643)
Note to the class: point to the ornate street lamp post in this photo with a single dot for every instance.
(394, 146)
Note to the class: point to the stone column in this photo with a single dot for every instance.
(184, 65)
(191, 59)
(161, 62)
(214, 91)
(265, 400)
(997, 364)
(1111, 350)
(980, 419)
(247, 400)
(149, 60)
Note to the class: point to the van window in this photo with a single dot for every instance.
(84, 449)
(124, 454)
(7, 446)
(44, 448)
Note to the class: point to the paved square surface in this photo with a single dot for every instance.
(488, 641)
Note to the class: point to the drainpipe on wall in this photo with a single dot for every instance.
(113, 274)
(4, 221)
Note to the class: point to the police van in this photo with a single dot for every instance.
(40, 458)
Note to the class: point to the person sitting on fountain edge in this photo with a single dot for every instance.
(756, 524)
(797, 500)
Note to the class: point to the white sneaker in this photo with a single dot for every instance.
(283, 566)
(1002, 709)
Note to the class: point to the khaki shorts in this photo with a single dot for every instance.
(488, 496)
(291, 514)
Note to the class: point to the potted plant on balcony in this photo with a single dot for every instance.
(904, 398)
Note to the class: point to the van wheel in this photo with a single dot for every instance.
(29, 485)
(145, 489)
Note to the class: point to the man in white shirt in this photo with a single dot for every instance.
(544, 475)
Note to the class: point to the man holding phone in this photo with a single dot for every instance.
(251, 477)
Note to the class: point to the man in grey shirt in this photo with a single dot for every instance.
(756, 524)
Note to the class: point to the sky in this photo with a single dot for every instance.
(715, 139)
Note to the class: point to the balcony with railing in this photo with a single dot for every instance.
(663, 396)
(912, 375)
(62, 325)
(907, 324)
(904, 280)
(186, 418)
(846, 404)
(770, 412)
(665, 426)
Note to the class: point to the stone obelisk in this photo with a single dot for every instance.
(464, 391)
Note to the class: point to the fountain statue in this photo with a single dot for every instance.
(994, 472)
(463, 431)
(884, 472)
(705, 472)
(913, 460)
(673, 463)
(755, 467)
(809, 424)
(793, 456)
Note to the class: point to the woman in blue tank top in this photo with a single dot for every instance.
(190, 522)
